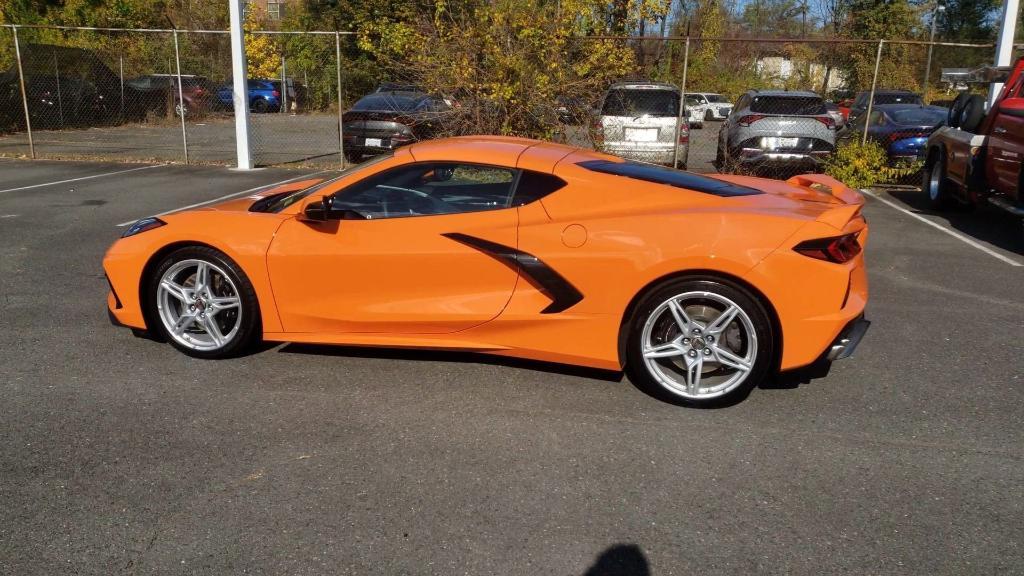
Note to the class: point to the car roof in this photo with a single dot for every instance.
(643, 85)
(497, 150)
(800, 93)
(877, 92)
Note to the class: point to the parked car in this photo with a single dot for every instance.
(520, 248)
(160, 89)
(977, 157)
(771, 129)
(902, 129)
(263, 96)
(382, 121)
(709, 105)
(860, 102)
(639, 121)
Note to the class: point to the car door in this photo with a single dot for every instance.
(1006, 142)
(387, 260)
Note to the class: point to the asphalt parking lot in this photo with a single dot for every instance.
(121, 455)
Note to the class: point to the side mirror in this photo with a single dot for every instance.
(317, 210)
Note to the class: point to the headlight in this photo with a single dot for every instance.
(143, 225)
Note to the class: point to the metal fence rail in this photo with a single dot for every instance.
(165, 94)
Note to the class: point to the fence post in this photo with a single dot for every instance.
(682, 105)
(180, 108)
(341, 127)
(120, 68)
(24, 96)
(284, 85)
(60, 99)
(239, 84)
(871, 97)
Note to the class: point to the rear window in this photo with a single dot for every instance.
(788, 105)
(669, 176)
(898, 99)
(647, 102)
(383, 101)
(918, 116)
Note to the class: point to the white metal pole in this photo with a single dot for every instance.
(341, 111)
(240, 86)
(682, 106)
(1004, 48)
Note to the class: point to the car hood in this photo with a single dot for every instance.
(243, 203)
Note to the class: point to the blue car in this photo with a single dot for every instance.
(902, 129)
(263, 96)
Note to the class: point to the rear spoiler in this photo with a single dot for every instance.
(849, 201)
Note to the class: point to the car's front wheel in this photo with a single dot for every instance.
(699, 341)
(203, 303)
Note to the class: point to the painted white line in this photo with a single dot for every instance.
(956, 235)
(226, 196)
(82, 178)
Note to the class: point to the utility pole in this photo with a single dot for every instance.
(1004, 48)
(931, 45)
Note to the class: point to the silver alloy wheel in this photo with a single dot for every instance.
(699, 345)
(935, 180)
(199, 305)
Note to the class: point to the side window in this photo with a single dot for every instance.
(424, 189)
(533, 186)
(877, 118)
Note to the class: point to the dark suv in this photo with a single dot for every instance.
(860, 102)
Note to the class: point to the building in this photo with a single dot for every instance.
(273, 10)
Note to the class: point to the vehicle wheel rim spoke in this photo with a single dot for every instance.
(694, 371)
(211, 328)
(184, 295)
(726, 357)
(664, 350)
(223, 303)
(723, 320)
(183, 323)
(680, 316)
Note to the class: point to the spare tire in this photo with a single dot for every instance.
(973, 113)
(956, 109)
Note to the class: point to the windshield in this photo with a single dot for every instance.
(644, 102)
(717, 99)
(919, 116)
(788, 105)
(897, 99)
(287, 200)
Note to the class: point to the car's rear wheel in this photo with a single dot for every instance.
(203, 303)
(936, 185)
(260, 105)
(700, 342)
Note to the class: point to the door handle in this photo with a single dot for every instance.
(999, 130)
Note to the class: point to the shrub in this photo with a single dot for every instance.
(861, 165)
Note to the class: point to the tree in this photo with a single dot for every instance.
(882, 19)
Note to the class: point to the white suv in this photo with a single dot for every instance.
(640, 121)
(707, 107)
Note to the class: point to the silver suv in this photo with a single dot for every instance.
(776, 129)
(638, 121)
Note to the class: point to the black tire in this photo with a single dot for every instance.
(934, 183)
(353, 157)
(709, 116)
(973, 113)
(249, 323)
(260, 105)
(956, 109)
(762, 354)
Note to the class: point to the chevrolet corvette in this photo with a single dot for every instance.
(698, 286)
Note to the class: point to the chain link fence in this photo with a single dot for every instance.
(770, 106)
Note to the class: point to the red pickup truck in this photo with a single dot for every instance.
(977, 156)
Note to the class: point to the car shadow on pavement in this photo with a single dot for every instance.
(986, 223)
(620, 560)
(420, 355)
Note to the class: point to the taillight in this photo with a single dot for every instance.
(276, 94)
(828, 121)
(684, 136)
(839, 249)
(901, 135)
(749, 119)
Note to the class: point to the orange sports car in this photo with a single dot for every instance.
(698, 286)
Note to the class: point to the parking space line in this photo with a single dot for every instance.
(952, 233)
(82, 178)
(227, 196)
